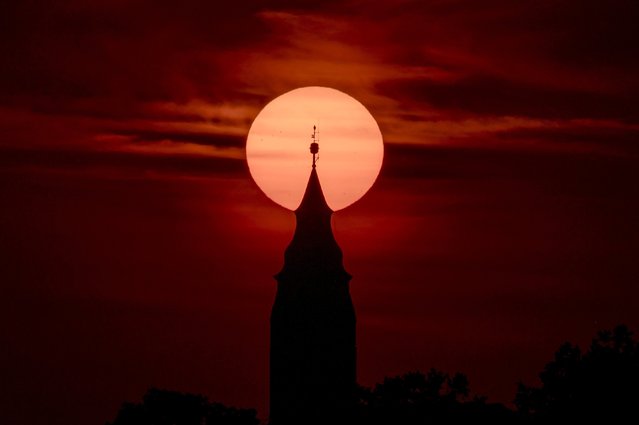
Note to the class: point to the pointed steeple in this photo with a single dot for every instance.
(313, 247)
(313, 353)
(313, 201)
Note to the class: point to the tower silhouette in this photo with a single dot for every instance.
(313, 353)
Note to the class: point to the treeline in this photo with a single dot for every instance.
(598, 384)
(163, 407)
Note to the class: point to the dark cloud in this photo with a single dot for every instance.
(134, 52)
(589, 35)
(491, 95)
(584, 34)
(593, 138)
(605, 175)
(106, 164)
(205, 139)
(140, 50)
(548, 59)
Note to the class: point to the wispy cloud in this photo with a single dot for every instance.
(444, 72)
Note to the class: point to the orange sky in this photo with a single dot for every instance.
(136, 250)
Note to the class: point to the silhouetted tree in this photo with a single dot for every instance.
(600, 384)
(161, 407)
(434, 397)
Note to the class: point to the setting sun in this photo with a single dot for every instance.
(351, 149)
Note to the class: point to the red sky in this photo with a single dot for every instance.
(136, 251)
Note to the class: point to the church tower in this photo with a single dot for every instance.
(312, 361)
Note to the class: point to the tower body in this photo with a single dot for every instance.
(313, 353)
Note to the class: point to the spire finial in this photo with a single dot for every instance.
(315, 145)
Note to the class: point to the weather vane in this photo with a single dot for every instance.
(315, 145)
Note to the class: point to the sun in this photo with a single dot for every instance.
(351, 148)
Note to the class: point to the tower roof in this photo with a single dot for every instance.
(313, 201)
(313, 253)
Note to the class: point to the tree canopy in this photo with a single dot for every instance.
(163, 407)
(601, 383)
(598, 384)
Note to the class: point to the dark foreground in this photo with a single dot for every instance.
(600, 383)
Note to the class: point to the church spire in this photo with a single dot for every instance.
(313, 246)
(313, 354)
(313, 202)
